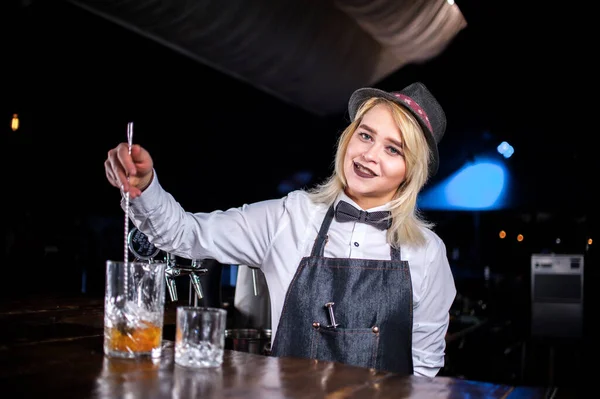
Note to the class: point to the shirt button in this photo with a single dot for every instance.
(356, 244)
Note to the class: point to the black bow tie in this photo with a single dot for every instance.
(344, 212)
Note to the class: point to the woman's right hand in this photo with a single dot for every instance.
(138, 166)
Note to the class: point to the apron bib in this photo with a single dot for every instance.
(371, 302)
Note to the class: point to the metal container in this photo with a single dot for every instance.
(249, 340)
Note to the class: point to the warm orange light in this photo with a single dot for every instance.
(520, 237)
(15, 122)
(589, 241)
(502, 234)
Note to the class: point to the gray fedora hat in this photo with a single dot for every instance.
(417, 100)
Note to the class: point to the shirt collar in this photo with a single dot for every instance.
(343, 196)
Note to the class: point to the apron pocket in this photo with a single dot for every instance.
(355, 346)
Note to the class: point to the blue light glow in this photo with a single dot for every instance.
(505, 149)
(294, 182)
(477, 186)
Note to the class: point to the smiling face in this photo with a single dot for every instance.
(374, 164)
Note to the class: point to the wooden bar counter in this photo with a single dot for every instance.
(55, 348)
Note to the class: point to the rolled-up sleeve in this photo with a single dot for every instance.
(431, 315)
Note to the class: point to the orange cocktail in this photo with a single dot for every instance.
(134, 309)
(144, 338)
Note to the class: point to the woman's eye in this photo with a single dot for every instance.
(394, 151)
(365, 136)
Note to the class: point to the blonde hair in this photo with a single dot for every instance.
(407, 222)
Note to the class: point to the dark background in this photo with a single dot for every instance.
(517, 73)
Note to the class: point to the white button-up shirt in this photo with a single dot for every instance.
(275, 235)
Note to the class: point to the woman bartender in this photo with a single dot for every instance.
(355, 275)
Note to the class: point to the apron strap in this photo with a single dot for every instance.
(395, 254)
(319, 246)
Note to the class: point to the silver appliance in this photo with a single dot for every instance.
(557, 295)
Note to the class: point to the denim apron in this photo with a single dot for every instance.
(372, 310)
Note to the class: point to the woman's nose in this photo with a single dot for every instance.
(370, 154)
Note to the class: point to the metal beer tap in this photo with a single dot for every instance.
(143, 249)
(174, 270)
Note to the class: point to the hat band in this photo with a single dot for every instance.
(415, 107)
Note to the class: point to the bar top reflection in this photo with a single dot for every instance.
(76, 367)
(55, 346)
